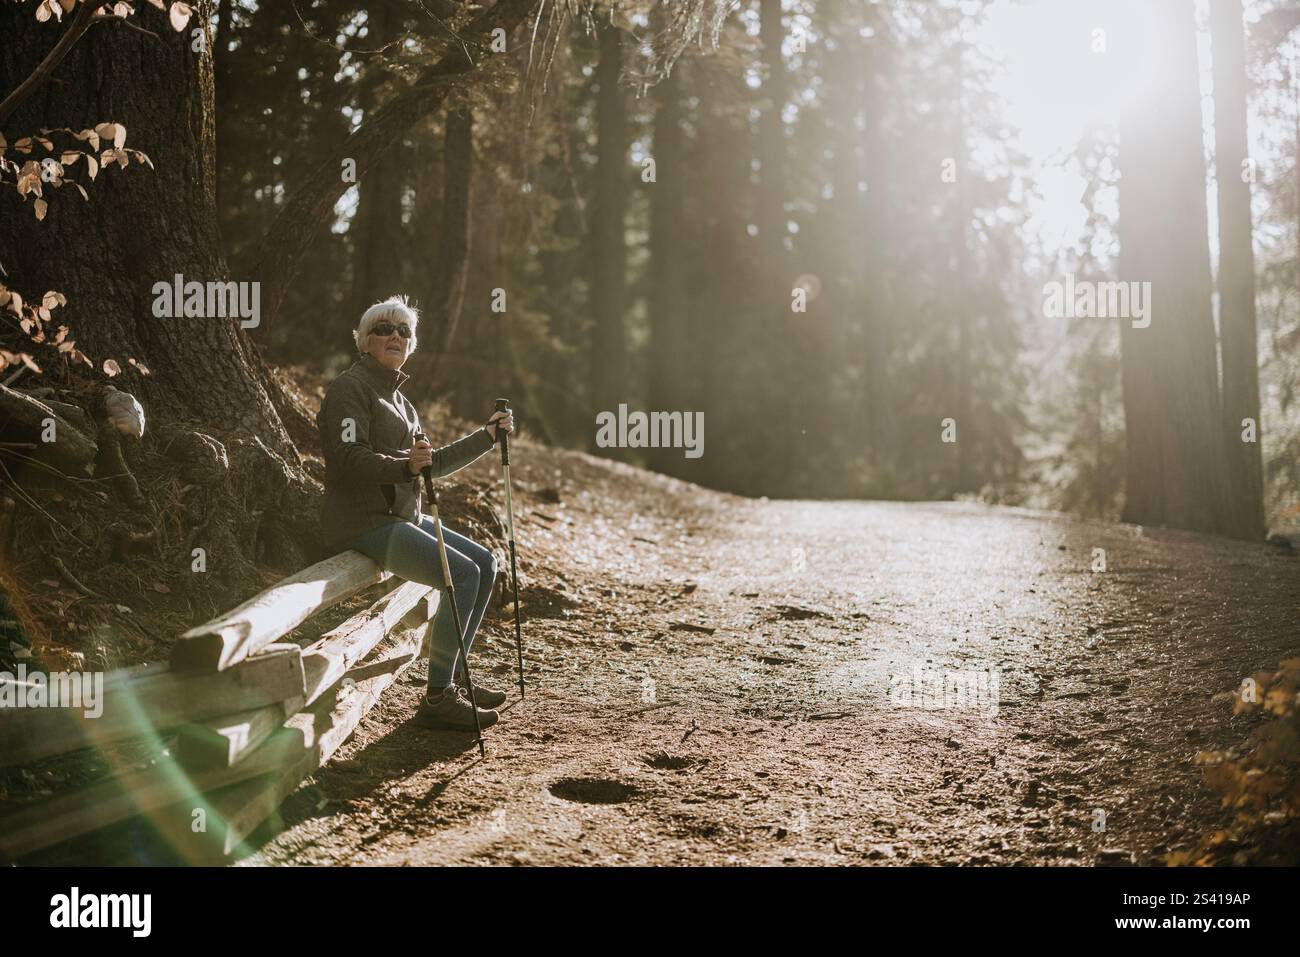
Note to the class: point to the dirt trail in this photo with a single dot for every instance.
(721, 680)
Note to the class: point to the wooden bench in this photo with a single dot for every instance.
(247, 716)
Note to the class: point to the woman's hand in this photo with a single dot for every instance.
(505, 421)
(421, 456)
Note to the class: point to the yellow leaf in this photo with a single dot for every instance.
(119, 135)
(111, 368)
(43, 11)
(69, 157)
(51, 300)
(82, 190)
(41, 206)
(144, 370)
(92, 166)
(180, 16)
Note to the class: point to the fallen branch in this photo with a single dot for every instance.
(71, 579)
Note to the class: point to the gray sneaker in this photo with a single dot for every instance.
(486, 697)
(448, 711)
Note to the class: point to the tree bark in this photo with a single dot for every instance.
(451, 261)
(731, 294)
(968, 430)
(877, 303)
(141, 226)
(780, 401)
(1175, 471)
(669, 355)
(609, 253)
(1237, 326)
(380, 239)
(221, 84)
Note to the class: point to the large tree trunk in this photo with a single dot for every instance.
(145, 226)
(141, 226)
(1175, 472)
(609, 253)
(669, 356)
(877, 392)
(780, 332)
(380, 242)
(564, 269)
(1237, 333)
(968, 431)
(221, 81)
(451, 262)
(730, 296)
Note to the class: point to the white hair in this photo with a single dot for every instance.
(394, 309)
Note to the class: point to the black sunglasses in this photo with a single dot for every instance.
(387, 329)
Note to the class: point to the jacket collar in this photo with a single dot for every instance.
(383, 379)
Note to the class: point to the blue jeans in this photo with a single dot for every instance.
(411, 552)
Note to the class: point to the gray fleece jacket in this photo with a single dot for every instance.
(367, 428)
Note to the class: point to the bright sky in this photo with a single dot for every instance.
(1059, 78)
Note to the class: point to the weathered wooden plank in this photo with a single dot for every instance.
(235, 812)
(224, 741)
(114, 799)
(328, 659)
(143, 701)
(300, 742)
(227, 739)
(225, 641)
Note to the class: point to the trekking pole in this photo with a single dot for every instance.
(503, 406)
(427, 472)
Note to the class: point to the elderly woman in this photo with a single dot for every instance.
(374, 452)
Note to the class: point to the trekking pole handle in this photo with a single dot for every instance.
(503, 437)
(427, 474)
